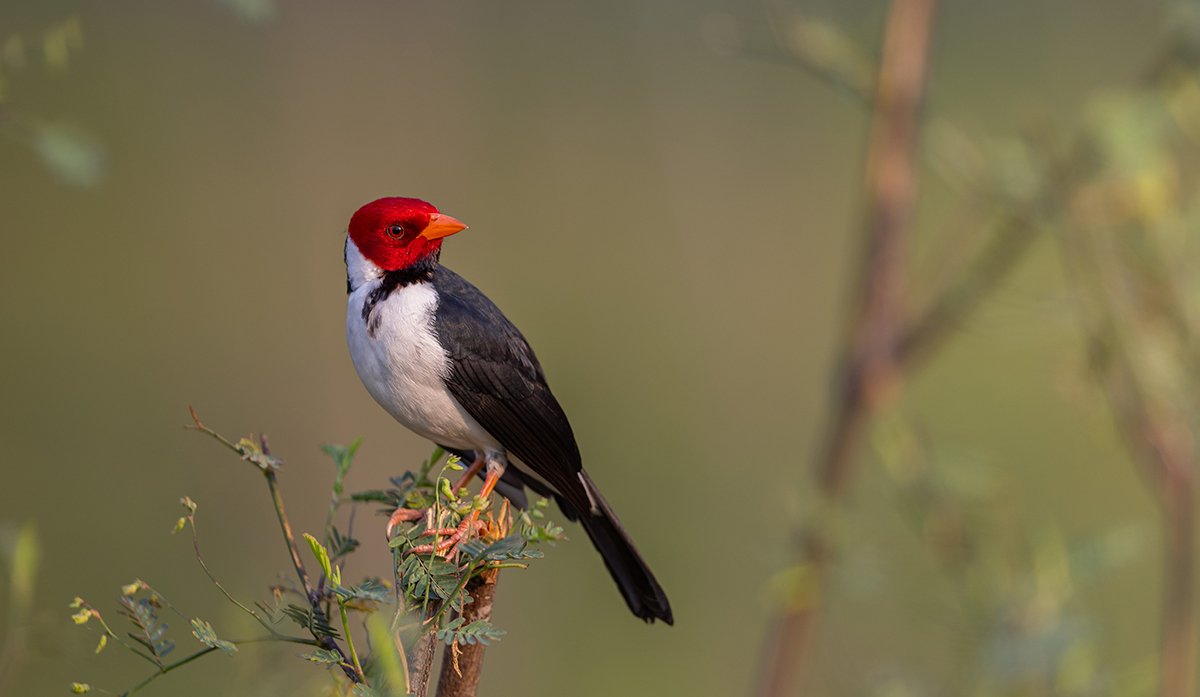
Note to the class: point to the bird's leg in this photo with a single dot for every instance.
(471, 472)
(494, 472)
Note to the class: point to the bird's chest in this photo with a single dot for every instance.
(399, 359)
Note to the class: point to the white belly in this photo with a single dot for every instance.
(403, 367)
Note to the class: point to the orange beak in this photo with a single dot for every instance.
(441, 225)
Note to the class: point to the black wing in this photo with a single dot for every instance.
(496, 377)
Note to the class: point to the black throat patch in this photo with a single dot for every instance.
(391, 281)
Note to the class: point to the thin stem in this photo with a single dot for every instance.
(228, 596)
(209, 649)
(350, 642)
(314, 598)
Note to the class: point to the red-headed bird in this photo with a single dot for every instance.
(447, 364)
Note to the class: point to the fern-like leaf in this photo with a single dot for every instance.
(476, 632)
(371, 590)
(425, 576)
(203, 631)
(305, 617)
(324, 656)
(514, 546)
(150, 633)
(340, 545)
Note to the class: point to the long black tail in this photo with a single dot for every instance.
(635, 580)
(637, 583)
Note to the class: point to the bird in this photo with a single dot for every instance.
(446, 363)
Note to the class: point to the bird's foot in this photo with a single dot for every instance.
(402, 515)
(435, 526)
(454, 537)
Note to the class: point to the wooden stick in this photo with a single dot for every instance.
(462, 665)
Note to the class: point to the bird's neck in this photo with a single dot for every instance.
(362, 271)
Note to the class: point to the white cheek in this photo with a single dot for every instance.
(359, 270)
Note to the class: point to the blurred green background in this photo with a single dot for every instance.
(668, 211)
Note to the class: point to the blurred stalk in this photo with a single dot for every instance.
(1179, 593)
(1157, 428)
(22, 557)
(870, 374)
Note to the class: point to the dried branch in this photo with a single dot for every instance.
(462, 665)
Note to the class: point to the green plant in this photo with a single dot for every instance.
(429, 596)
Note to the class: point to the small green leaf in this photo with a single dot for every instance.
(324, 656)
(252, 452)
(514, 546)
(371, 496)
(340, 545)
(102, 643)
(151, 633)
(370, 589)
(322, 556)
(343, 458)
(477, 632)
(305, 617)
(204, 632)
(425, 576)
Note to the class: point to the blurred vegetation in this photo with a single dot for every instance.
(65, 149)
(20, 554)
(1114, 191)
(1018, 507)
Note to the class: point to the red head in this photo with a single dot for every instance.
(395, 233)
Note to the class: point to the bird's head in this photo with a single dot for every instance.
(395, 233)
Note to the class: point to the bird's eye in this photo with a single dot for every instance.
(396, 231)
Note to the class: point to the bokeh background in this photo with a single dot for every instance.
(664, 201)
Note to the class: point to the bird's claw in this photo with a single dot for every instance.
(455, 537)
(402, 515)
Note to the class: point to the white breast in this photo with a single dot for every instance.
(402, 364)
